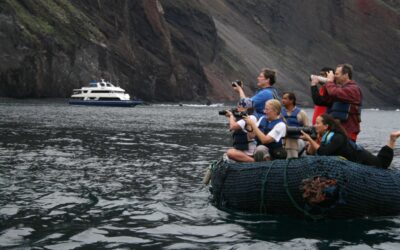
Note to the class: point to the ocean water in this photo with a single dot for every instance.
(75, 177)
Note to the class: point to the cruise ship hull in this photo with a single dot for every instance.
(121, 103)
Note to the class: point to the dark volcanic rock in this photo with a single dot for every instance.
(177, 50)
(300, 37)
(49, 48)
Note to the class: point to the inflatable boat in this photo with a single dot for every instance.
(314, 187)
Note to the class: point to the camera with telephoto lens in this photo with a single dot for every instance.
(235, 112)
(237, 82)
(321, 79)
(294, 132)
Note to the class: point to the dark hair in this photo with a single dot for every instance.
(327, 69)
(269, 73)
(291, 97)
(333, 124)
(347, 69)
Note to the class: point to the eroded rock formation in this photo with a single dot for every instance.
(177, 50)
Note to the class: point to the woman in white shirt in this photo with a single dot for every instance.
(269, 130)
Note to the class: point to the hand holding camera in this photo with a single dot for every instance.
(237, 114)
(237, 83)
(304, 136)
(305, 133)
(330, 76)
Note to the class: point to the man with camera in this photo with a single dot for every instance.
(244, 142)
(343, 98)
(265, 81)
(294, 117)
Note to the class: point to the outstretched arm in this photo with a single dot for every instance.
(392, 140)
(239, 89)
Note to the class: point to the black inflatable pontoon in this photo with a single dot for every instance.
(315, 187)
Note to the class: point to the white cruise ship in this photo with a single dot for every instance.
(102, 94)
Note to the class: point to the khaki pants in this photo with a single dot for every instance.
(293, 146)
(279, 153)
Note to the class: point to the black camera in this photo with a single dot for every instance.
(238, 115)
(294, 132)
(238, 82)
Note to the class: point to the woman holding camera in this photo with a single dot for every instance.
(244, 142)
(334, 141)
(270, 130)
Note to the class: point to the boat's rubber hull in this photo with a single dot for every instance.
(275, 188)
(129, 103)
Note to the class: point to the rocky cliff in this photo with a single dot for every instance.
(177, 50)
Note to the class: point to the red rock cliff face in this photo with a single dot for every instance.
(176, 50)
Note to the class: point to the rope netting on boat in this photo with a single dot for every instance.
(314, 187)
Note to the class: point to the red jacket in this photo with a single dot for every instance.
(348, 93)
(318, 110)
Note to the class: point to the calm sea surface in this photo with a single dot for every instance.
(75, 177)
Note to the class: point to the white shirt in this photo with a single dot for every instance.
(278, 132)
(242, 123)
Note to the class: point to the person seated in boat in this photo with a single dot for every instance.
(334, 141)
(294, 117)
(270, 131)
(244, 142)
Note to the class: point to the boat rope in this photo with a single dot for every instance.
(263, 207)
(224, 175)
(285, 185)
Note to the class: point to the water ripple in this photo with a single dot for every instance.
(92, 177)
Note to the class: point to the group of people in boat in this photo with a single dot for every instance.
(260, 124)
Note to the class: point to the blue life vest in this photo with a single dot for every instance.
(274, 92)
(266, 126)
(341, 110)
(291, 120)
(327, 137)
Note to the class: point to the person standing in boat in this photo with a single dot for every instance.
(343, 98)
(244, 142)
(265, 81)
(319, 82)
(294, 117)
(270, 131)
(334, 141)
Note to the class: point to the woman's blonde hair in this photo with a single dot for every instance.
(276, 105)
